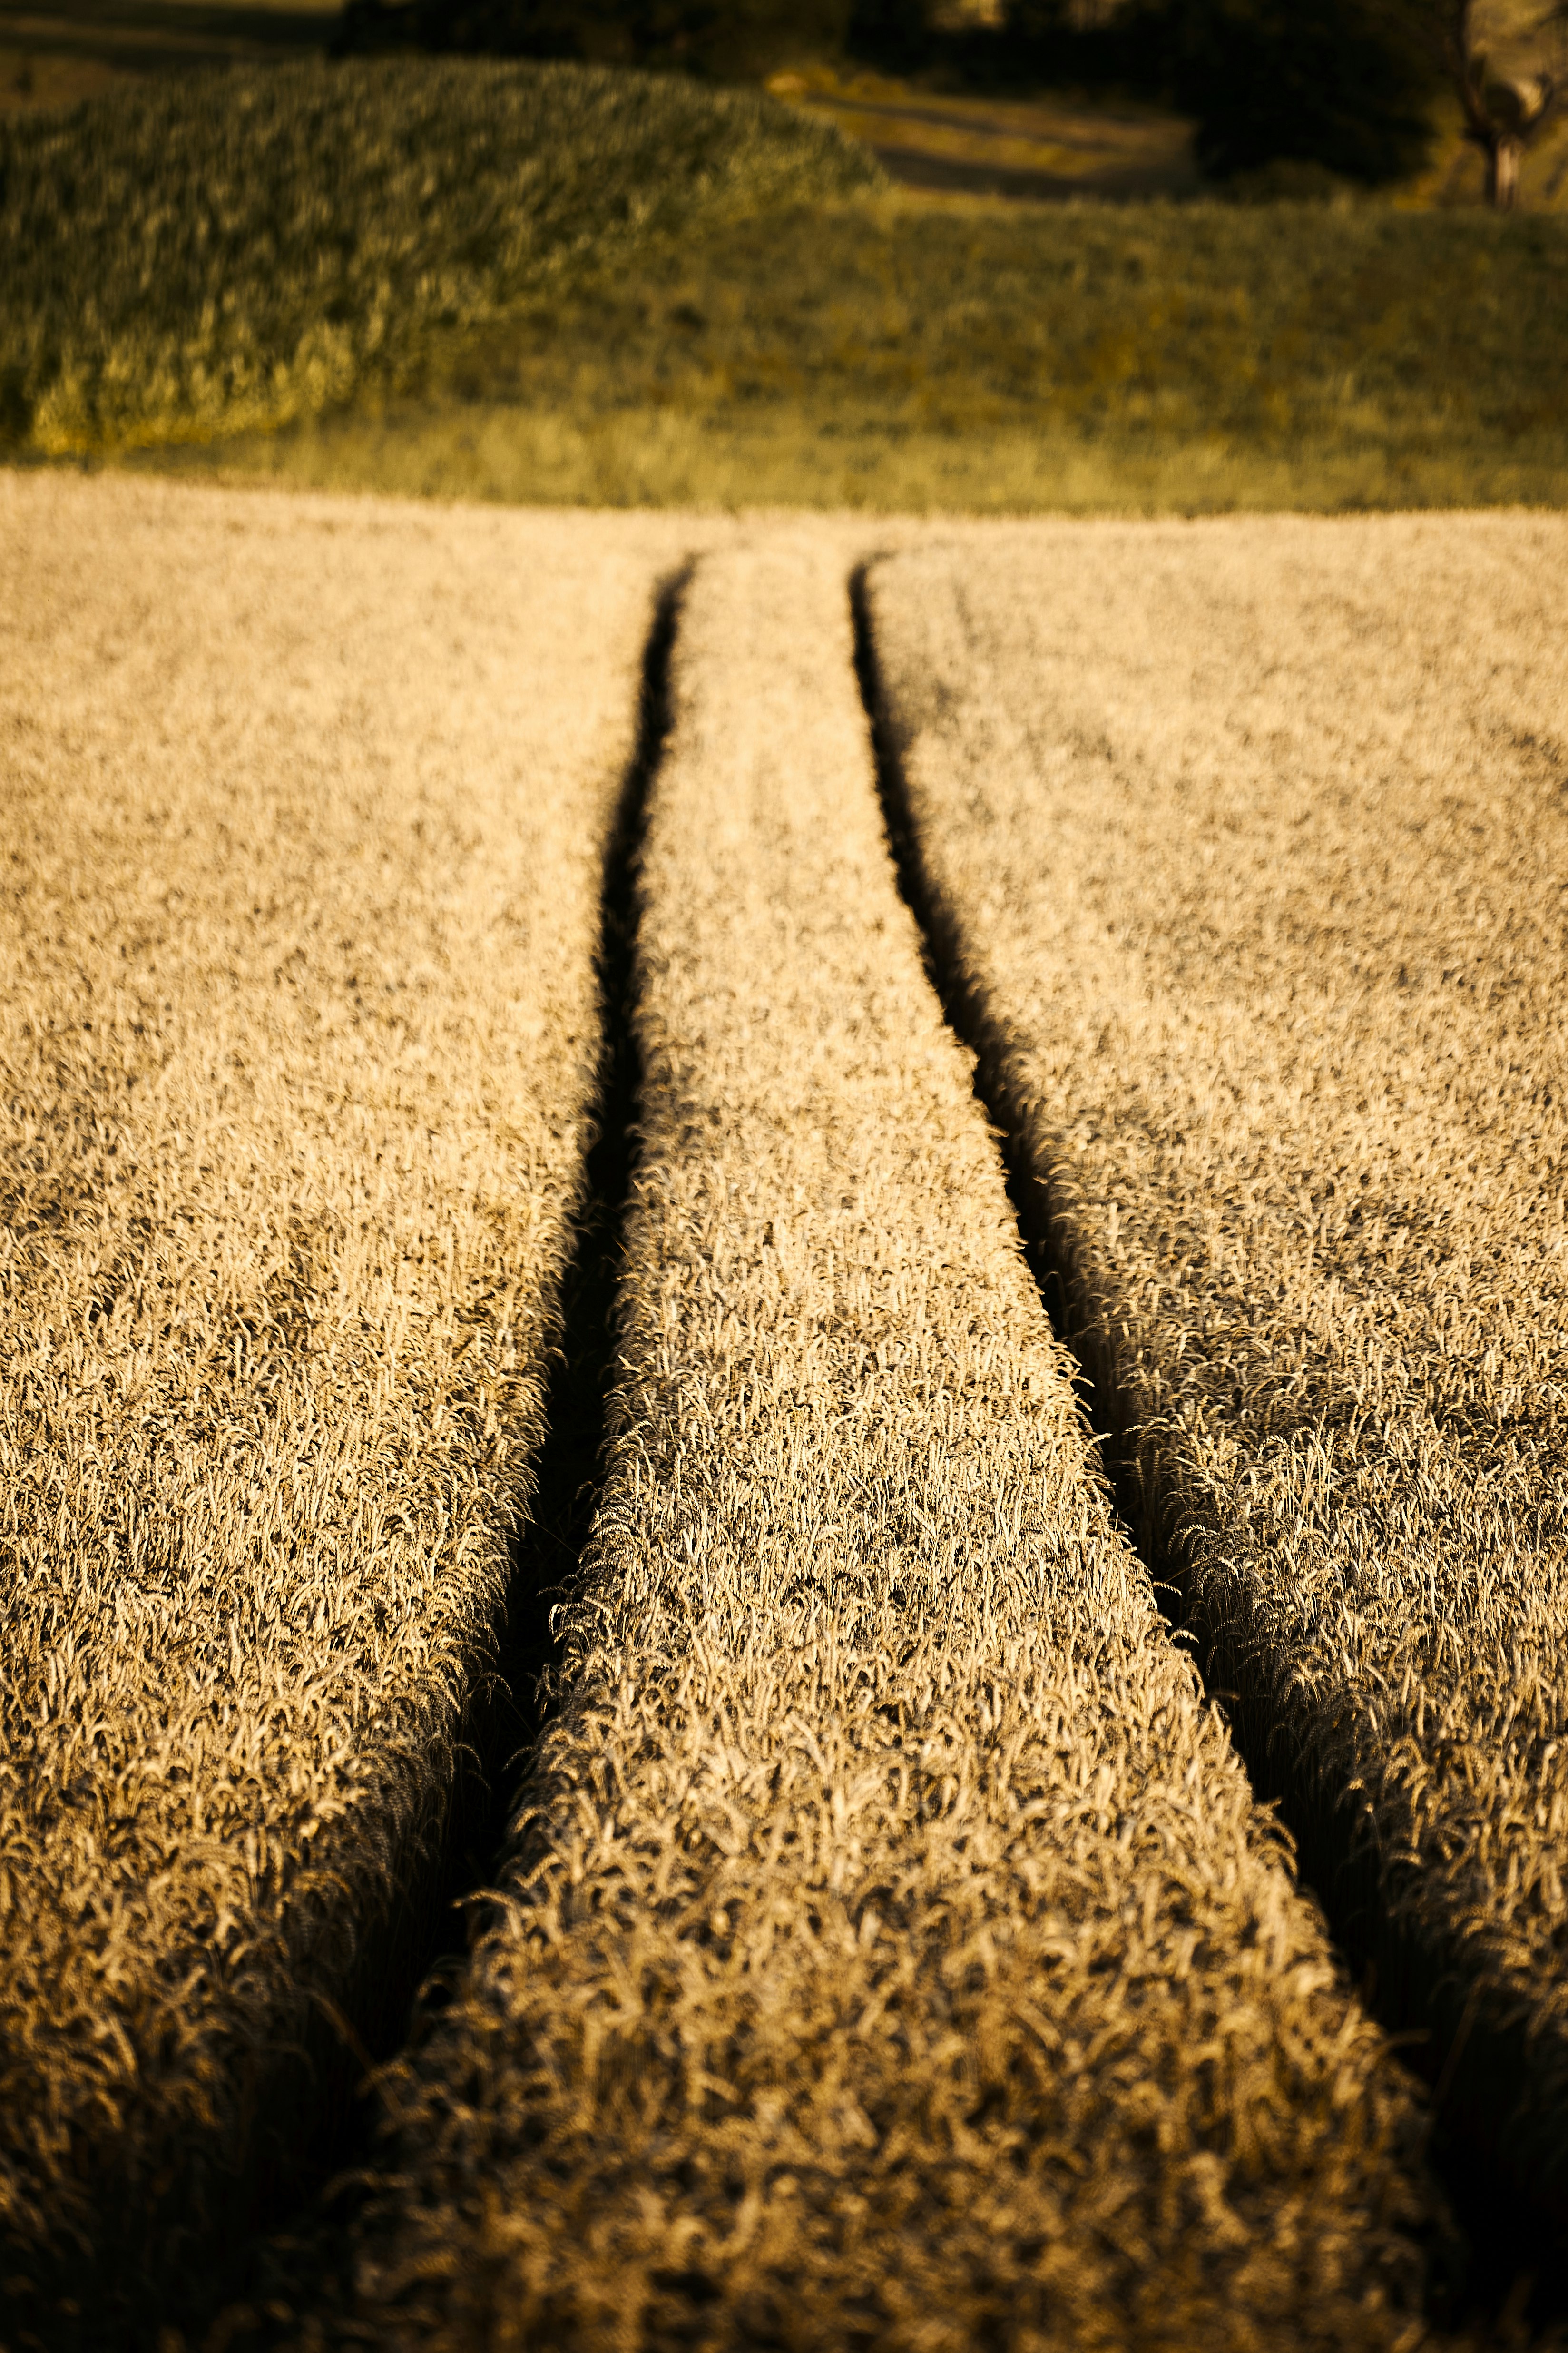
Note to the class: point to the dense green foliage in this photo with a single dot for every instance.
(242, 248)
(695, 294)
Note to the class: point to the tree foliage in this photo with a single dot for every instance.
(1344, 86)
(1347, 85)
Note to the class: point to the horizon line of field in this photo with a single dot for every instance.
(570, 1465)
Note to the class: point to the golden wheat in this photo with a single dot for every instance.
(1251, 844)
(890, 1951)
(304, 812)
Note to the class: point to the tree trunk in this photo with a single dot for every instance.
(1503, 172)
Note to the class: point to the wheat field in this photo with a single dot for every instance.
(890, 1951)
(889, 1945)
(303, 824)
(1251, 849)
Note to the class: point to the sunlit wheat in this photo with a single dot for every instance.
(1252, 843)
(303, 814)
(888, 1951)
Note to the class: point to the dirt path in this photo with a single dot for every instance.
(1045, 149)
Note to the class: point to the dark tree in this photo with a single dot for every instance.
(1348, 85)
(706, 37)
(897, 35)
(1084, 42)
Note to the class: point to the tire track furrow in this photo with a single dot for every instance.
(888, 1952)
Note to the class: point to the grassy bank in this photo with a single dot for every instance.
(247, 247)
(544, 283)
(898, 351)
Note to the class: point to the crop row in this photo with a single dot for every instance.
(303, 822)
(1247, 848)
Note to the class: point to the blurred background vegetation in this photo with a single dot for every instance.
(1357, 89)
(988, 255)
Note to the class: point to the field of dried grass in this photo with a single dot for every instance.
(890, 1951)
(1247, 847)
(888, 1947)
(303, 822)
